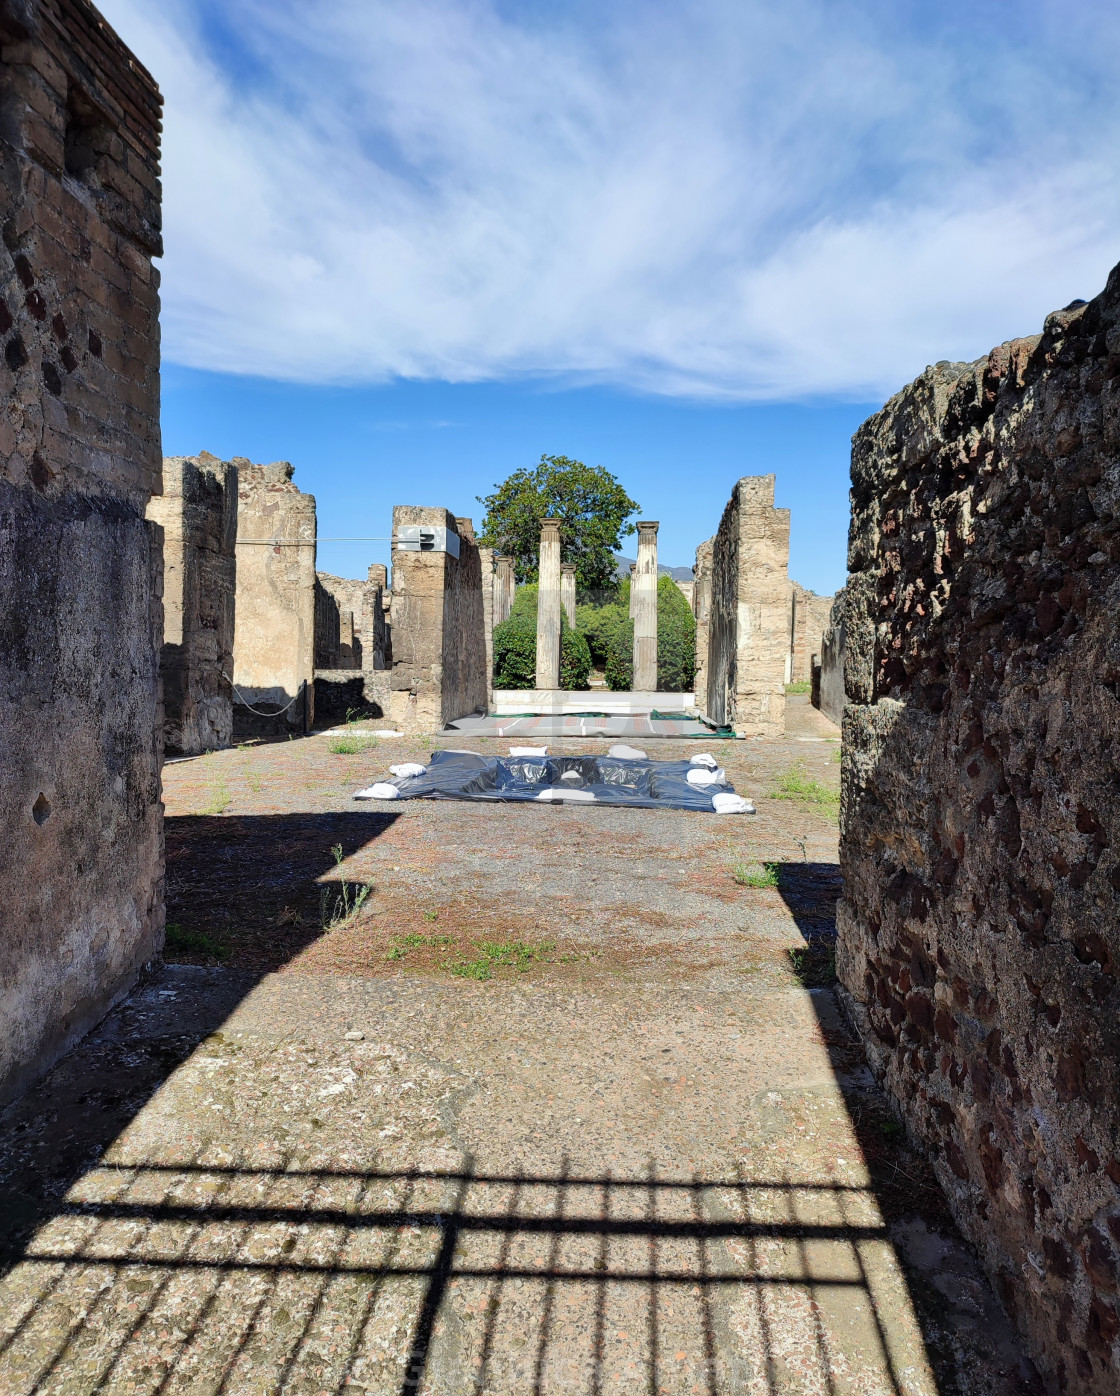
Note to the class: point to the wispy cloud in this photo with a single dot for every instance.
(725, 197)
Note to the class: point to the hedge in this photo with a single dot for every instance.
(515, 651)
(676, 645)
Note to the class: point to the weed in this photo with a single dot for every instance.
(194, 943)
(431, 916)
(492, 954)
(219, 798)
(337, 907)
(801, 686)
(814, 965)
(403, 944)
(796, 784)
(755, 874)
(891, 1129)
(351, 744)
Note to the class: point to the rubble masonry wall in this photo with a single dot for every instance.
(701, 609)
(439, 645)
(809, 623)
(274, 633)
(198, 514)
(749, 612)
(979, 940)
(81, 879)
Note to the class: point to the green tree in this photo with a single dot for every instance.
(594, 512)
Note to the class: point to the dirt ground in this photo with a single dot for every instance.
(450, 1098)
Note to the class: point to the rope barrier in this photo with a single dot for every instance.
(246, 704)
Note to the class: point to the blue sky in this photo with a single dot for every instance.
(686, 239)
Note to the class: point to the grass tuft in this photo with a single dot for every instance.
(351, 744)
(341, 902)
(795, 783)
(495, 954)
(801, 686)
(755, 874)
(814, 965)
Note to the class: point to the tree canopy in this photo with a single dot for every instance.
(593, 508)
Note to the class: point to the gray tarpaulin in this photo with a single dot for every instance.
(604, 780)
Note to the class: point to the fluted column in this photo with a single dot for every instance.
(548, 607)
(643, 590)
(568, 590)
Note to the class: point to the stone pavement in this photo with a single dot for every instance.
(392, 1155)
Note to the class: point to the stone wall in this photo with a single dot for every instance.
(274, 635)
(701, 609)
(490, 602)
(828, 679)
(980, 840)
(749, 612)
(439, 643)
(351, 642)
(808, 622)
(198, 514)
(81, 877)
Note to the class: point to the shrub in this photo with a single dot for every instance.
(575, 657)
(676, 639)
(598, 624)
(515, 649)
(676, 643)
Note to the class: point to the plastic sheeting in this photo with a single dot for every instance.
(604, 780)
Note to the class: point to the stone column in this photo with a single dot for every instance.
(503, 588)
(568, 590)
(548, 607)
(643, 592)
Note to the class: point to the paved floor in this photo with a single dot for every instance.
(567, 1106)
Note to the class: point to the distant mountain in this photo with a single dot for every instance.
(678, 574)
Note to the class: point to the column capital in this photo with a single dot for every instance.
(567, 567)
(648, 526)
(550, 526)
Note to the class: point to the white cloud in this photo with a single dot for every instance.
(725, 197)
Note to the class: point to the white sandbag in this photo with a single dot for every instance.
(703, 758)
(380, 790)
(571, 775)
(700, 777)
(408, 768)
(627, 753)
(727, 803)
(528, 751)
(553, 794)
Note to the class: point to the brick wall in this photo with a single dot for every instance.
(979, 940)
(81, 879)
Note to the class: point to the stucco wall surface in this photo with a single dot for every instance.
(749, 612)
(979, 939)
(81, 877)
(274, 632)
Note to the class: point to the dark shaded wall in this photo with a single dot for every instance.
(81, 877)
(980, 833)
(198, 514)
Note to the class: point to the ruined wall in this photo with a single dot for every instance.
(489, 605)
(81, 877)
(351, 640)
(701, 609)
(749, 615)
(198, 514)
(274, 634)
(828, 681)
(439, 645)
(980, 841)
(808, 623)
